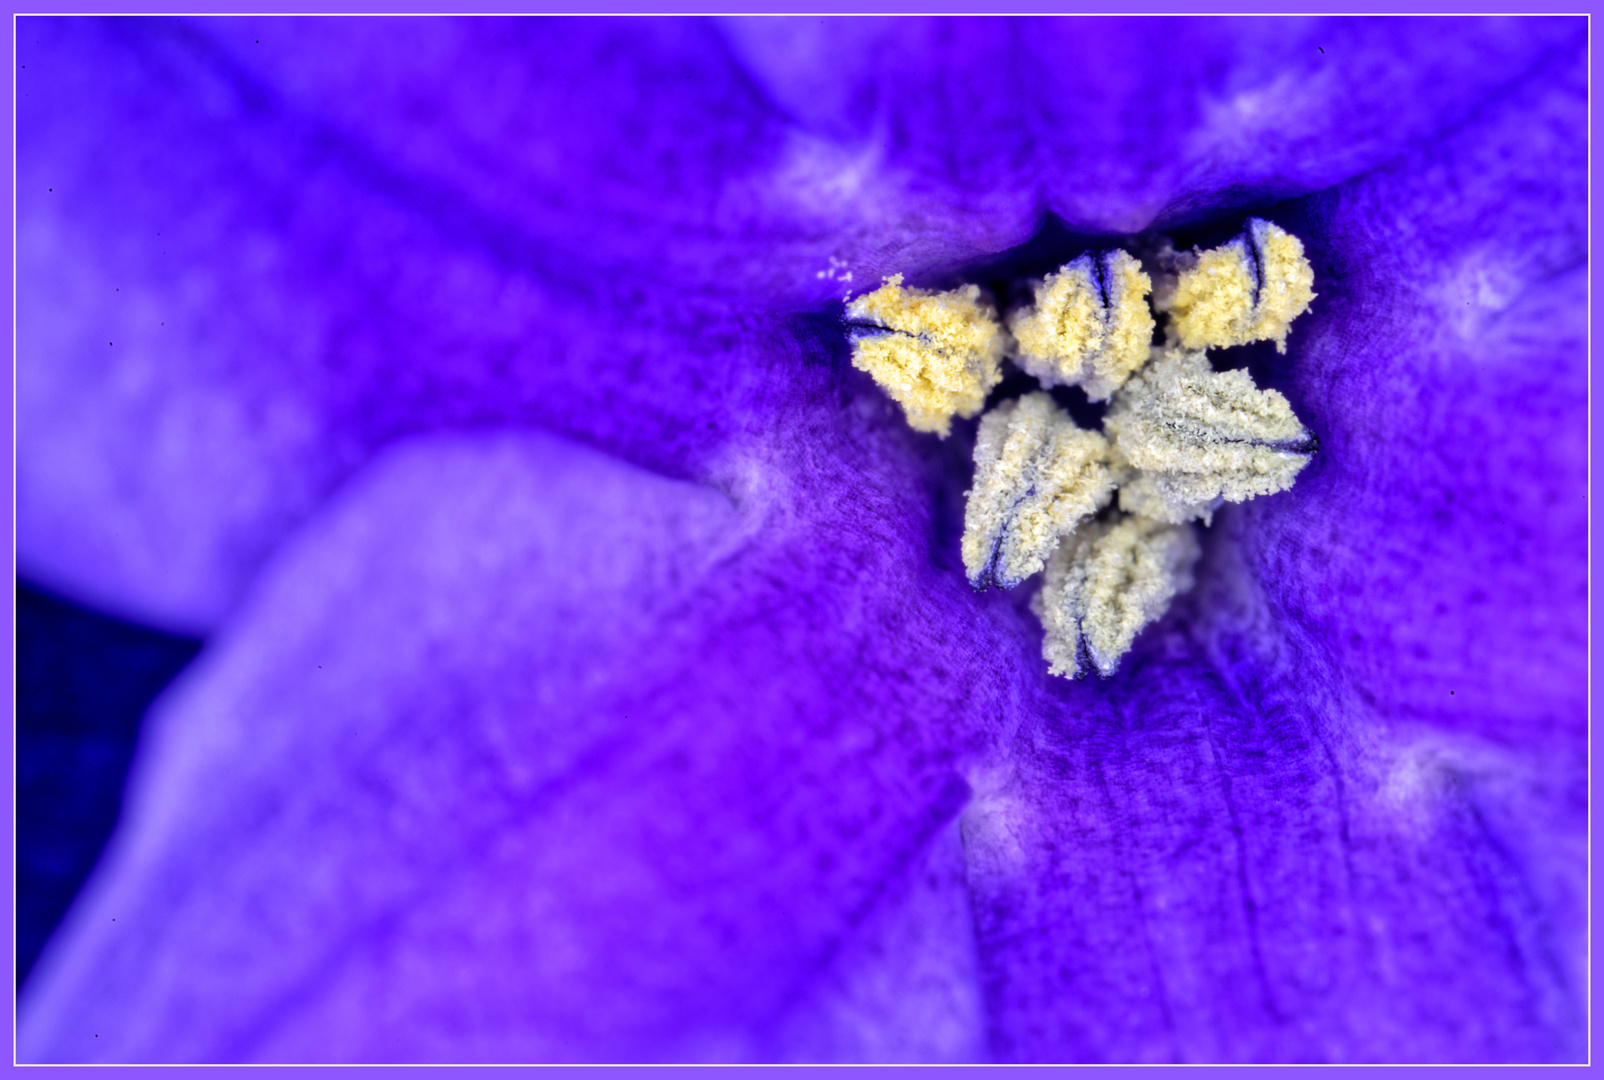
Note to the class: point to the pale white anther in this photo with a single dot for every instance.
(1199, 436)
(937, 354)
(1037, 476)
(1088, 326)
(1179, 439)
(1248, 289)
(1104, 584)
(1139, 493)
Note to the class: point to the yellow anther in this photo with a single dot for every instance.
(1089, 324)
(1249, 289)
(936, 353)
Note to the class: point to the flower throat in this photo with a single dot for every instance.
(1107, 515)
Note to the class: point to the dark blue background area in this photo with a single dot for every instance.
(84, 681)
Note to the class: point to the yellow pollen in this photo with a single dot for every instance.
(940, 352)
(1178, 441)
(1249, 289)
(1089, 325)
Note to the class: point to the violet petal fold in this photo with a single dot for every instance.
(1116, 123)
(1439, 541)
(490, 226)
(264, 305)
(678, 734)
(541, 756)
(1343, 817)
(1193, 870)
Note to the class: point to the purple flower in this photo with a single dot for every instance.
(591, 672)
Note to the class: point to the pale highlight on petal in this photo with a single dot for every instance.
(936, 353)
(1105, 584)
(1089, 325)
(1037, 476)
(1249, 289)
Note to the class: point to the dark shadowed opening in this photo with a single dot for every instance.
(84, 681)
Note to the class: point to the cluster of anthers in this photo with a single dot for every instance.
(1178, 438)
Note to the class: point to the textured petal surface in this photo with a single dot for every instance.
(536, 755)
(680, 736)
(1191, 870)
(1338, 812)
(1116, 123)
(262, 305)
(1443, 558)
(327, 234)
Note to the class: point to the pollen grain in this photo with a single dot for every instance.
(1248, 289)
(937, 354)
(1088, 325)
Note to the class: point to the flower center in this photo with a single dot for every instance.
(1177, 441)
